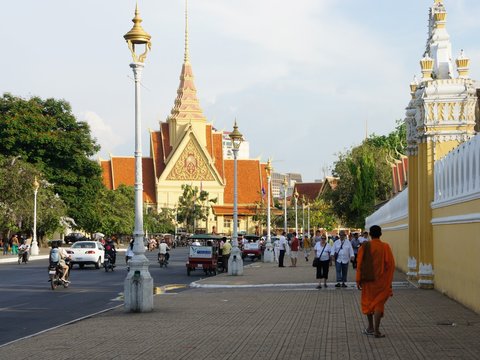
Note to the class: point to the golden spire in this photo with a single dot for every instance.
(138, 36)
(187, 53)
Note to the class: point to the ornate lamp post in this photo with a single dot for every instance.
(303, 215)
(295, 195)
(138, 286)
(285, 188)
(268, 254)
(34, 250)
(308, 220)
(235, 262)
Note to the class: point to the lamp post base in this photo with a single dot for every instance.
(138, 286)
(268, 254)
(34, 250)
(235, 262)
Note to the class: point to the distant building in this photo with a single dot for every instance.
(243, 152)
(277, 183)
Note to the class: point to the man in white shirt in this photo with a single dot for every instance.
(363, 238)
(282, 246)
(343, 254)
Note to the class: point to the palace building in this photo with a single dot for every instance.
(187, 149)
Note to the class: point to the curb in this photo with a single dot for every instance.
(306, 286)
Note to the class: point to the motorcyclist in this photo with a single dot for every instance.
(24, 251)
(163, 250)
(58, 255)
(110, 250)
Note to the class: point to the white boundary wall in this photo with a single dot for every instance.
(457, 175)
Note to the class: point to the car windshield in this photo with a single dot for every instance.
(80, 245)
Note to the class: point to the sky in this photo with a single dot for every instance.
(305, 79)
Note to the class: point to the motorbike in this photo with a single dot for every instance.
(23, 255)
(108, 263)
(163, 259)
(55, 273)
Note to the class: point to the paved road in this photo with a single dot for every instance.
(28, 305)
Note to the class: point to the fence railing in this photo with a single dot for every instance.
(457, 175)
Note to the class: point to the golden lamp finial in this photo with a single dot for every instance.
(36, 184)
(236, 136)
(268, 167)
(138, 36)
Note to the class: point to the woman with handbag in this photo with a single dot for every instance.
(322, 260)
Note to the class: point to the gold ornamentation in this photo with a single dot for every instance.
(191, 166)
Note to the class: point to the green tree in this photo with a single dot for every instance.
(46, 134)
(322, 215)
(162, 222)
(193, 205)
(115, 211)
(364, 177)
(17, 199)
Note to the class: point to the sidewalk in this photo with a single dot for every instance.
(268, 313)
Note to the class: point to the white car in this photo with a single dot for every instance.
(87, 252)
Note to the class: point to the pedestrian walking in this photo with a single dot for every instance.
(343, 254)
(322, 260)
(376, 266)
(276, 249)
(355, 245)
(307, 246)
(294, 246)
(226, 251)
(6, 247)
(282, 246)
(14, 245)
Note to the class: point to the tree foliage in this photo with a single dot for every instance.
(193, 205)
(46, 134)
(365, 177)
(17, 199)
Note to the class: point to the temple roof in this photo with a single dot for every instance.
(309, 191)
(186, 106)
(121, 171)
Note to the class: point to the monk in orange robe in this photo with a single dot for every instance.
(375, 270)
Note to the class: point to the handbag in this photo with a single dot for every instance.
(316, 261)
(336, 254)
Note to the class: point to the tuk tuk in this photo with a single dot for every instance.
(203, 253)
(252, 248)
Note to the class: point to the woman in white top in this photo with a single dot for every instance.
(323, 251)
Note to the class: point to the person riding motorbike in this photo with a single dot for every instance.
(110, 250)
(163, 250)
(58, 255)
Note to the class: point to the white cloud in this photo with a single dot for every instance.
(101, 131)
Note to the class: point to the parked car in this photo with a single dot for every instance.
(74, 237)
(87, 253)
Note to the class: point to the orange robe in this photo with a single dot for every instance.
(376, 293)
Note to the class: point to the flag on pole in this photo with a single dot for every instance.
(263, 192)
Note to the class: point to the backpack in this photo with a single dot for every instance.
(54, 255)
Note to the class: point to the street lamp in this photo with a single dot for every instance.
(138, 286)
(308, 220)
(303, 215)
(285, 188)
(295, 195)
(34, 250)
(268, 254)
(235, 262)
